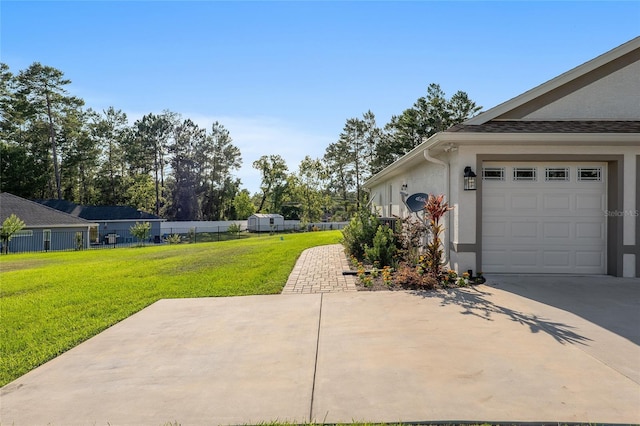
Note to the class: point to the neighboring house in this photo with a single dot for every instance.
(115, 221)
(45, 228)
(558, 176)
(265, 222)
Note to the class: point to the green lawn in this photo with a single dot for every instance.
(50, 302)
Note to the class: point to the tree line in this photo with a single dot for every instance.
(52, 146)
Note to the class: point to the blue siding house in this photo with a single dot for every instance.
(45, 228)
(114, 221)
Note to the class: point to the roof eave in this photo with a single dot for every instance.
(539, 138)
(63, 225)
(530, 139)
(404, 160)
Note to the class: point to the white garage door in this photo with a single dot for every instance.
(544, 218)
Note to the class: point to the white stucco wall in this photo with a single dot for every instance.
(425, 177)
(463, 230)
(614, 97)
(429, 178)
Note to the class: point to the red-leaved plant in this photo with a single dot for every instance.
(435, 209)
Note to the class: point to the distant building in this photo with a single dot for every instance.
(265, 222)
(45, 228)
(115, 221)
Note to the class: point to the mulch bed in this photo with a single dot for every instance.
(377, 283)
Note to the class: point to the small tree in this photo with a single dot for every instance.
(10, 226)
(141, 231)
(435, 208)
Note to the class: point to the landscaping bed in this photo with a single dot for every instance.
(406, 277)
(403, 253)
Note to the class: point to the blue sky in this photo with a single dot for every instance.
(283, 77)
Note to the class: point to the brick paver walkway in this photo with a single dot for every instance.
(319, 270)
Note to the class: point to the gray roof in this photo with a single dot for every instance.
(265, 215)
(36, 215)
(542, 126)
(99, 213)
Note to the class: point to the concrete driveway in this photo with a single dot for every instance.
(520, 349)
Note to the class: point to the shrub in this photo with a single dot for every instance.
(234, 228)
(79, 241)
(407, 276)
(360, 233)
(141, 231)
(375, 271)
(173, 239)
(429, 282)
(410, 239)
(383, 249)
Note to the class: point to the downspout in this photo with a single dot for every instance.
(430, 159)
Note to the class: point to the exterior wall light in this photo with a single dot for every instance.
(469, 179)
(404, 187)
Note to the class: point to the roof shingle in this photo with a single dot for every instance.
(99, 213)
(522, 126)
(34, 214)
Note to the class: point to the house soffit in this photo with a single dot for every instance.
(440, 143)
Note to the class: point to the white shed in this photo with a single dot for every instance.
(265, 222)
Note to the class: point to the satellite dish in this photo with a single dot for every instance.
(417, 202)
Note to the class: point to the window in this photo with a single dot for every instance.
(589, 174)
(556, 174)
(493, 173)
(524, 173)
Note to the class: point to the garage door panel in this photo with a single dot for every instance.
(495, 229)
(590, 202)
(493, 258)
(524, 258)
(494, 203)
(544, 226)
(590, 259)
(590, 230)
(557, 202)
(557, 258)
(524, 230)
(524, 202)
(558, 229)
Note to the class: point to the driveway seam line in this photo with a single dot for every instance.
(315, 365)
